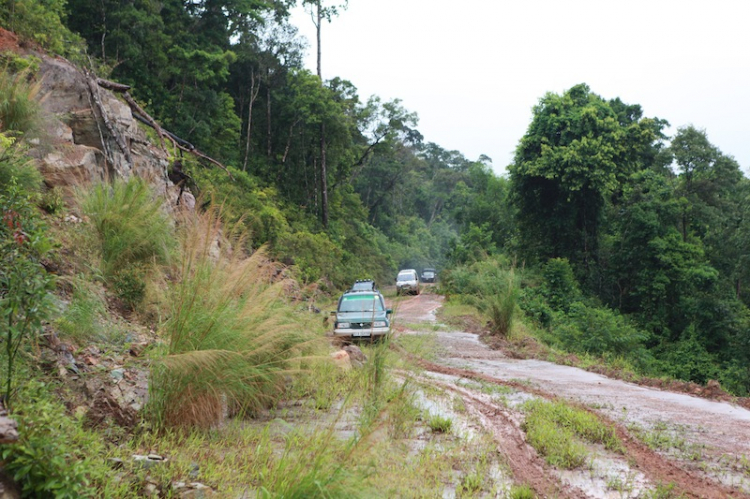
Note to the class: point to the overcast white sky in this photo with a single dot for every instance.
(473, 69)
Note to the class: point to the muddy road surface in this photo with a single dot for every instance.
(675, 443)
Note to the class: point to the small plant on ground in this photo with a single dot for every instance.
(521, 492)
(662, 491)
(439, 424)
(553, 429)
(81, 320)
(54, 456)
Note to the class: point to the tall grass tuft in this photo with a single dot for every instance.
(502, 308)
(130, 226)
(19, 109)
(231, 339)
(17, 167)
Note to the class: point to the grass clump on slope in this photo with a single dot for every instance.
(231, 340)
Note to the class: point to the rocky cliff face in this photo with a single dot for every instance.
(89, 134)
(78, 144)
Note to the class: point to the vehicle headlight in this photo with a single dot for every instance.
(379, 324)
(344, 325)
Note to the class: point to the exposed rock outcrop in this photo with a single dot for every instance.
(85, 141)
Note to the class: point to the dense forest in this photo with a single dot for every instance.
(612, 238)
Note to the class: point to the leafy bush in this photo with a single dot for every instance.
(315, 255)
(24, 283)
(595, 330)
(43, 461)
(52, 201)
(688, 359)
(230, 335)
(560, 285)
(533, 302)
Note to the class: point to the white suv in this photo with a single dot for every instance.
(407, 282)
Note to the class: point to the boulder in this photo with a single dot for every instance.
(341, 359)
(356, 356)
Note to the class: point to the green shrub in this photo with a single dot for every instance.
(16, 63)
(521, 492)
(52, 201)
(24, 283)
(533, 302)
(502, 308)
(560, 285)
(316, 257)
(130, 227)
(43, 461)
(129, 286)
(596, 330)
(439, 424)
(81, 319)
(689, 360)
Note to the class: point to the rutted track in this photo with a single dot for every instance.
(722, 429)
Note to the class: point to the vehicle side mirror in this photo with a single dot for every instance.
(333, 312)
(388, 311)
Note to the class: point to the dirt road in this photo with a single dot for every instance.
(703, 445)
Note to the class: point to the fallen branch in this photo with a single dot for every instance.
(135, 108)
(112, 129)
(112, 85)
(182, 144)
(144, 117)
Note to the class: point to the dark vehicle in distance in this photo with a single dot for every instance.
(361, 314)
(364, 285)
(429, 275)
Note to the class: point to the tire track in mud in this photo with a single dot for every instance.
(525, 464)
(655, 467)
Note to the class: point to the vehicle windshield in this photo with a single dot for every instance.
(405, 277)
(361, 303)
(363, 286)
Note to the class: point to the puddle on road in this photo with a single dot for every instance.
(607, 477)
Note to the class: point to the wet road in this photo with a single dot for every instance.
(720, 429)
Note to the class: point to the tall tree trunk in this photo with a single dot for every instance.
(317, 32)
(323, 166)
(323, 177)
(268, 112)
(253, 95)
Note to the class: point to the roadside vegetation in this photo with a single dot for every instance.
(634, 257)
